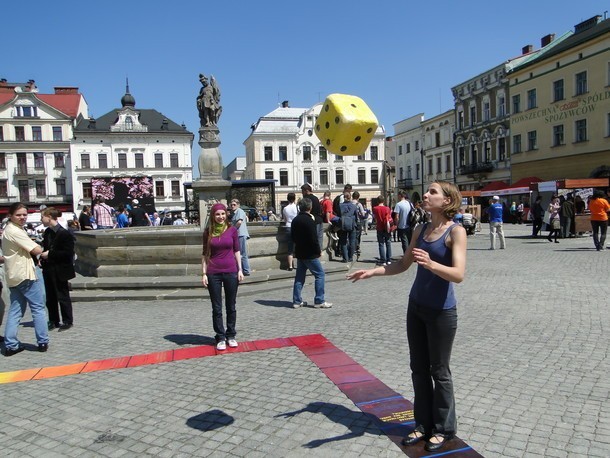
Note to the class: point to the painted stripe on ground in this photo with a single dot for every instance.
(393, 413)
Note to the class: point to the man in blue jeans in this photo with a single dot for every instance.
(307, 251)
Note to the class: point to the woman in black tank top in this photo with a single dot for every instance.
(439, 250)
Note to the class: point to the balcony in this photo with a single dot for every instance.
(477, 167)
(405, 183)
(8, 199)
(29, 171)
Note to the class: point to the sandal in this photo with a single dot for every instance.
(414, 436)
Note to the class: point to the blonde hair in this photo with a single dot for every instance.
(450, 190)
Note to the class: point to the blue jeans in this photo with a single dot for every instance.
(245, 264)
(28, 291)
(385, 246)
(315, 267)
(215, 286)
(347, 241)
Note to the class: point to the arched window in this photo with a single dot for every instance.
(128, 123)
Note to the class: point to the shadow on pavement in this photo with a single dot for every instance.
(209, 421)
(357, 422)
(287, 304)
(190, 339)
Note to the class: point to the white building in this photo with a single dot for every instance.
(407, 141)
(438, 148)
(283, 146)
(35, 133)
(130, 142)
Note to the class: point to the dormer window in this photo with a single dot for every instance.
(128, 123)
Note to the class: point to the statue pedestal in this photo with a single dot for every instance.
(210, 186)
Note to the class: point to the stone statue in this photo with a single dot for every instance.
(208, 102)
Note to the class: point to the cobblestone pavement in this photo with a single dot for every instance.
(530, 366)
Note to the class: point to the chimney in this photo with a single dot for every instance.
(586, 25)
(527, 49)
(547, 39)
(91, 123)
(62, 90)
(285, 104)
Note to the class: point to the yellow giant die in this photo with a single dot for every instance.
(346, 125)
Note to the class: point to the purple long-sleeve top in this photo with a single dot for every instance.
(223, 248)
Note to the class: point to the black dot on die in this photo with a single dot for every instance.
(326, 107)
(328, 142)
(369, 130)
(337, 120)
(343, 148)
(327, 124)
(318, 127)
(358, 138)
(354, 105)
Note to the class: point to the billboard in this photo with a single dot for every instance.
(122, 190)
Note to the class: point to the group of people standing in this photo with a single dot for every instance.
(21, 257)
(103, 216)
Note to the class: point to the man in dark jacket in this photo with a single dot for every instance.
(57, 262)
(307, 251)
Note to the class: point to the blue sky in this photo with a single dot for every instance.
(402, 57)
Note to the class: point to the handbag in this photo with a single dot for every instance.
(555, 224)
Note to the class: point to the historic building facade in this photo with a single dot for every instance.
(283, 147)
(35, 133)
(133, 142)
(483, 106)
(561, 128)
(438, 148)
(408, 150)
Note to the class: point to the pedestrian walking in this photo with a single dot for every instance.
(221, 268)
(537, 216)
(599, 208)
(554, 222)
(383, 222)
(439, 249)
(25, 288)
(496, 223)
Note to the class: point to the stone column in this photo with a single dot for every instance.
(210, 186)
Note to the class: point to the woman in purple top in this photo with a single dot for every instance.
(221, 267)
(439, 250)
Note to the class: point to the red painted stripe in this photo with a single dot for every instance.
(151, 358)
(106, 364)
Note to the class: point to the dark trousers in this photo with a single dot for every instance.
(57, 292)
(536, 227)
(600, 227)
(404, 235)
(216, 282)
(430, 334)
(347, 242)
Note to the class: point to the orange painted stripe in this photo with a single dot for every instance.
(18, 376)
(59, 371)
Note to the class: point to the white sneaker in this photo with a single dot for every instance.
(323, 305)
(296, 305)
(221, 345)
(232, 343)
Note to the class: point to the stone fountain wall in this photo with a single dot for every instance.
(167, 250)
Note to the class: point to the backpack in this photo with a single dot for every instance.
(414, 217)
(348, 216)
